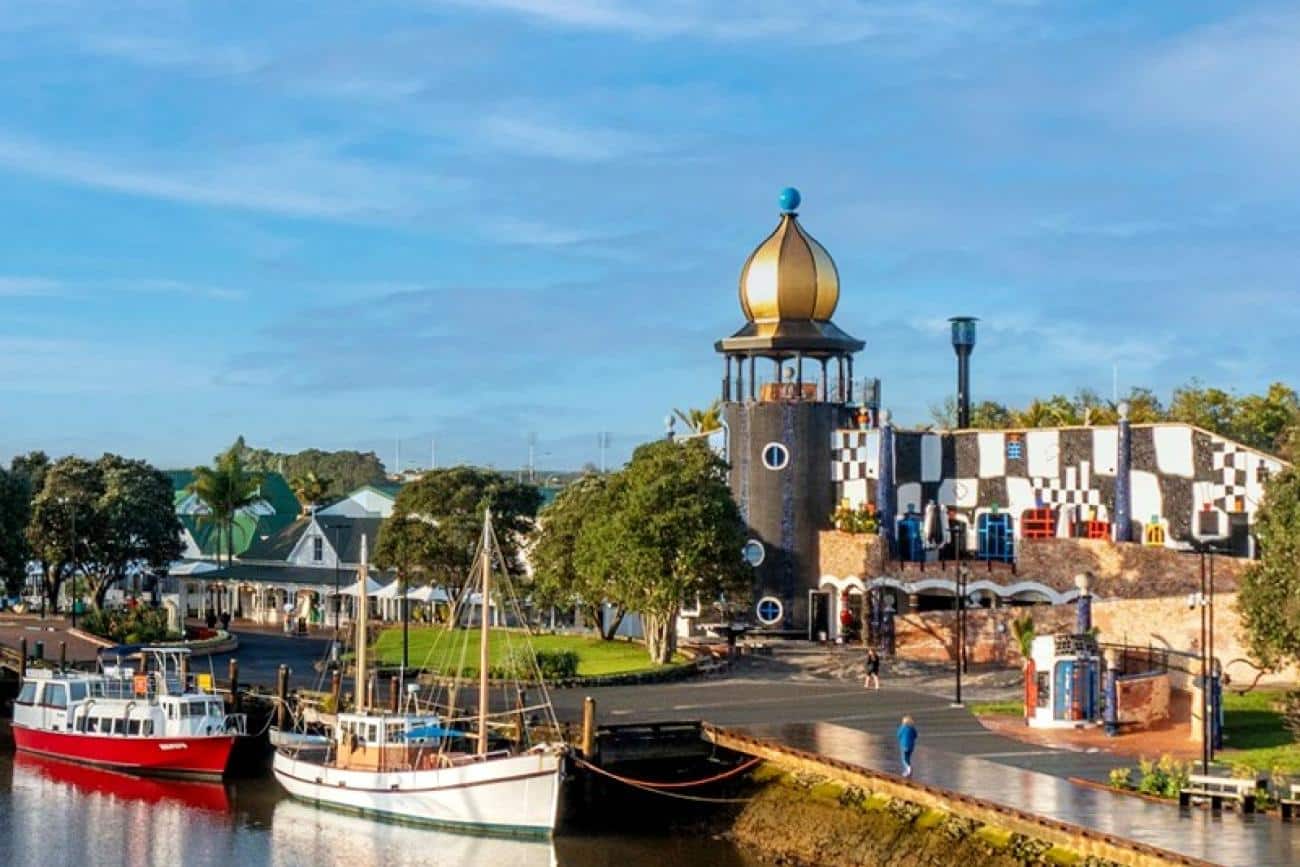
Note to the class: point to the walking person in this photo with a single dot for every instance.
(872, 679)
(907, 743)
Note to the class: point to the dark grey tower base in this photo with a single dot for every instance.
(784, 508)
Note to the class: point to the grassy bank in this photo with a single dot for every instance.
(436, 649)
(1011, 707)
(1254, 734)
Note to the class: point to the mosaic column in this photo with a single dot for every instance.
(1111, 712)
(1123, 479)
(886, 497)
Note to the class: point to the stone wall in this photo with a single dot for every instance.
(1143, 700)
(1165, 622)
(847, 554)
(1121, 570)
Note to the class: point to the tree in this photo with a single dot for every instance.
(1265, 421)
(344, 470)
(407, 545)
(15, 509)
(1269, 599)
(557, 580)
(1209, 408)
(701, 421)
(71, 488)
(670, 531)
(121, 512)
(225, 489)
(451, 502)
(310, 489)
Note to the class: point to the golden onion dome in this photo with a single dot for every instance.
(790, 275)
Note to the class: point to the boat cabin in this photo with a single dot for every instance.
(154, 702)
(388, 741)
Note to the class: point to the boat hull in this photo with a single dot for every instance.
(515, 795)
(205, 756)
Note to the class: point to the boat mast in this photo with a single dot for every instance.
(486, 603)
(363, 578)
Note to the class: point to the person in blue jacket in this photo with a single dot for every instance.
(907, 743)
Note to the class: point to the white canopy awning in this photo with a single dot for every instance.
(428, 593)
(372, 588)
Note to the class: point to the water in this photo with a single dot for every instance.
(55, 814)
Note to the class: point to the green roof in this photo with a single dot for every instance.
(274, 490)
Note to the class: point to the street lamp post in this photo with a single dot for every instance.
(72, 511)
(960, 582)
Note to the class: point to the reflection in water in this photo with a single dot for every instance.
(55, 814)
(302, 834)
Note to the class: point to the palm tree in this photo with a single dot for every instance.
(310, 489)
(702, 421)
(225, 489)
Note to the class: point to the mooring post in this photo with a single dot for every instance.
(336, 690)
(22, 658)
(589, 728)
(281, 695)
(453, 693)
(63, 656)
(394, 695)
(183, 670)
(233, 671)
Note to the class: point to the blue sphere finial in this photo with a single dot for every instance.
(790, 200)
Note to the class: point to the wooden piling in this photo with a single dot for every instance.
(336, 689)
(281, 695)
(183, 671)
(22, 658)
(589, 728)
(234, 685)
(63, 656)
(394, 695)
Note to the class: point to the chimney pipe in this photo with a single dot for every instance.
(963, 343)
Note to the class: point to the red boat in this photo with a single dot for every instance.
(148, 721)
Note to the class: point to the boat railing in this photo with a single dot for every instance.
(236, 724)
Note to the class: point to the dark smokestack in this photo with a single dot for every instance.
(963, 343)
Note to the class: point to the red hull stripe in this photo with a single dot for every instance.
(426, 788)
(201, 755)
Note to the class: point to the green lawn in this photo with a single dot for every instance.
(435, 649)
(1253, 732)
(1013, 707)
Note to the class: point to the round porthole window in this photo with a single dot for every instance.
(769, 610)
(754, 552)
(775, 456)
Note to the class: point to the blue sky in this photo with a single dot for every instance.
(342, 225)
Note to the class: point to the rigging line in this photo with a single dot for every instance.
(687, 784)
(659, 791)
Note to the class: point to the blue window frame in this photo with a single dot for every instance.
(996, 537)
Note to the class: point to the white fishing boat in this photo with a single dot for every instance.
(426, 762)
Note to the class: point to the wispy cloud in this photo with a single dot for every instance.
(809, 22)
(73, 287)
(530, 136)
(297, 178)
(15, 286)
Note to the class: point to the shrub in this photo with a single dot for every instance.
(1163, 778)
(861, 520)
(553, 664)
(1121, 778)
(128, 625)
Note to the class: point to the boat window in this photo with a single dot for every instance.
(55, 695)
(119, 726)
(92, 724)
(171, 711)
(133, 727)
(372, 733)
(148, 728)
(27, 695)
(214, 709)
(77, 690)
(396, 734)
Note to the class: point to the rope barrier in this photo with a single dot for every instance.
(658, 788)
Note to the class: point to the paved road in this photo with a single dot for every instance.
(260, 655)
(756, 701)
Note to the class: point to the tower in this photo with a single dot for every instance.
(963, 343)
(780, 412)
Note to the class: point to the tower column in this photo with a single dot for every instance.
(848, 393)
(753, 380)
(798, 374)
(826, 390)
(740, 379)
(1124, 478)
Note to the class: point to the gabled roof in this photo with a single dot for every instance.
(248, 529)
(347, 531)
(274, 491)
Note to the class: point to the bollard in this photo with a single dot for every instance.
(63, 655)
(234, 685)
(183, 671)
(22, 658)
(370, 692)
(589, 728)
(336, 690)
(281, 695)
(394, 695)
(39, 651)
